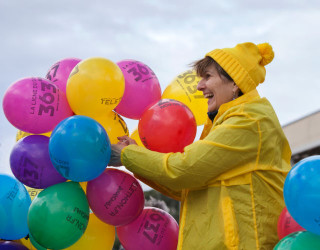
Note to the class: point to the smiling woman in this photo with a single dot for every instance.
(217, 88)
(230, 182)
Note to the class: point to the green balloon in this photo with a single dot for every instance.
(59, 215)
(36, 244)
(299, 240)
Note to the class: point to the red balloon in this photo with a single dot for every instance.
(154, 229)
(115, 197)
(287, 225)
(167, 126)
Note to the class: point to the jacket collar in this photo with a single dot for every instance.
(212, 115)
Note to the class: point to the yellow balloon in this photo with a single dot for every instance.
(135, 136)
(95, 87)
(84, 186)
(27, 243)
(183, 88)
(114, 125)
(33, 192)
(21, 134)
(98, 235)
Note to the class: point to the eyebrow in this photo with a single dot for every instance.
(208, 71)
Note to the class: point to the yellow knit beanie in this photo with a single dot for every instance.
(244, 63)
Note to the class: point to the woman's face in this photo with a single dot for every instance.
(217, 89)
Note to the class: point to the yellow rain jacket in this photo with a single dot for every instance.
(229, 183)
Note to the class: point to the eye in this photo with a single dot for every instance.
(207, 76)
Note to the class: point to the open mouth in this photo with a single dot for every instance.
(208, 96)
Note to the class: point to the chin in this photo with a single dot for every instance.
(211, 109)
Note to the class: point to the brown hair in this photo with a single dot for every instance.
(201, 65)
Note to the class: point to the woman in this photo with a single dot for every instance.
(230, 182)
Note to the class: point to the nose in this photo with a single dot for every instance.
(201, 85)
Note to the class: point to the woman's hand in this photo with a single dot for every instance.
(116, 149)
(126, 140)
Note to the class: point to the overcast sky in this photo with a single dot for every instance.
(166, 35)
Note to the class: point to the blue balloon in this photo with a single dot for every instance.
(14, 205)
(302, 193)
(79, 148)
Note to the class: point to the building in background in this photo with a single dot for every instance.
(304, 136)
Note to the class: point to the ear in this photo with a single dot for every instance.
(235, 89)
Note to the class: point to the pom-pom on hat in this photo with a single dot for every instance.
(244, 63)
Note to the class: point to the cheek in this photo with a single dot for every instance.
(223, 95)
(212, 86)
(227, 90)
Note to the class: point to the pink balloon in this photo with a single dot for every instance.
(287, 225)
(115, 197)
(60, 71)
(142, 89)
(35, 105)
(154, 229)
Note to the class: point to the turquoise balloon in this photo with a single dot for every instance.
(299, 241)
(59, 215)
(14, 205)
(79, 148)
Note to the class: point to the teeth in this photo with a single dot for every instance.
(208, 95)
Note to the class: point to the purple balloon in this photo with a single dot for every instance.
(60, 71)
(10, 245)
(30, 162)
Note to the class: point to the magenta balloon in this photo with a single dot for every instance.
(154, 229)
(60, 71)
(142, 89)
(115, 197)
(35, 105)
(30, 162)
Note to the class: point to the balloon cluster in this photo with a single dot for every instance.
(64, 196)
(299, 222)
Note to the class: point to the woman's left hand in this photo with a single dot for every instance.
(116, 149)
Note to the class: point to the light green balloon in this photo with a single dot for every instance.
(298, 241)
(59, 215)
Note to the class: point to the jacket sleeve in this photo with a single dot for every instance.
(176, 195)
(230, 145)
